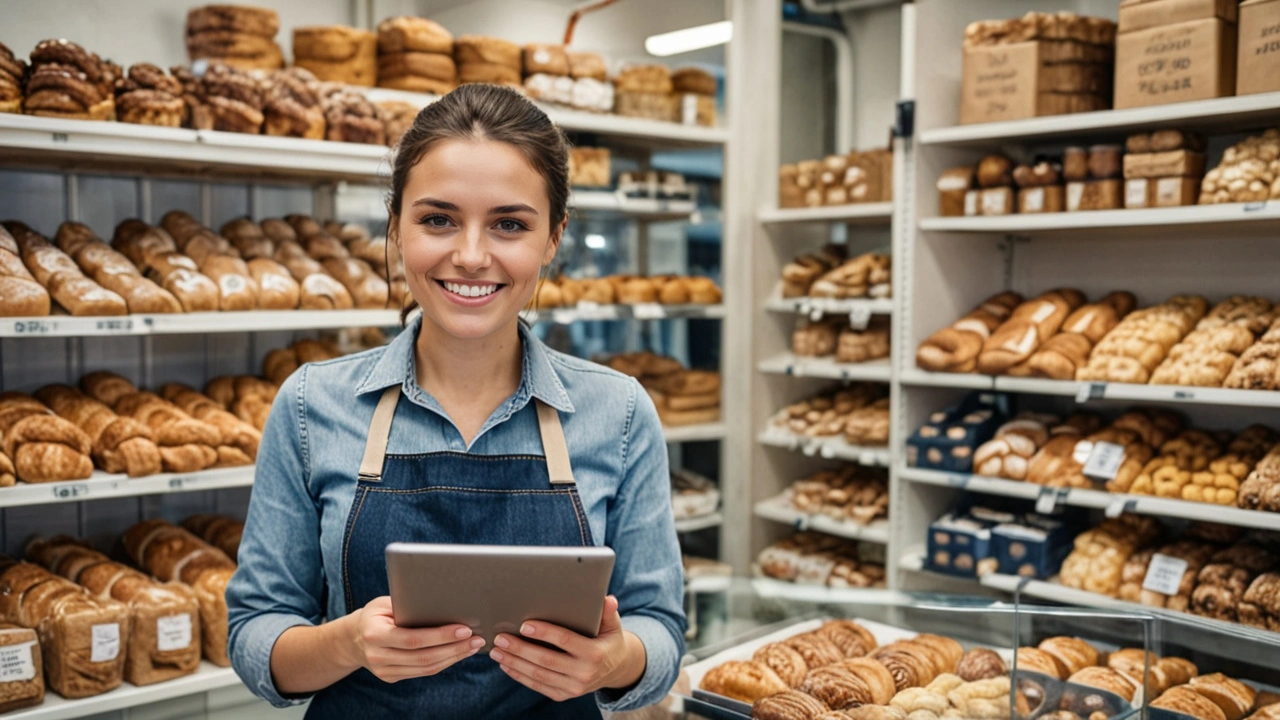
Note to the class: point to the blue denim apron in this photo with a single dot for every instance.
(449, 497)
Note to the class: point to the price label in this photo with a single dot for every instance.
(70, 491)
(1049, 499)
(1255, 206)
(1120, 506)
(173, 632)
(802, 523)
(34, 327)
(1164, 574)
(859, 317)
(1184, 395)
(1104, 461)
(958, 481)
(796, 369)
(1075, 193)
(16, 663)
(60, 138)
(815, 314)
(810, 449)
(1091, 391)
(648, 311)
(588, 305)
(178, 483)
(869, 458)
(114, 325)
(105, 642)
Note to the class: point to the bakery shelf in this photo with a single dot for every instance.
(1233, 114)
(102, 486)
(825, 367)
(203, 322)
(651, 133)
(1113, 503)
(855, 213)
(708, 584)
(1240, 218)
(605, 201)
(638, 311)
(1086, 391)
(208, 677)
(829, 448)
(779, 509)
(967, 381)
(694, 433)
(829, 306)
(767, 587)
(702, 522)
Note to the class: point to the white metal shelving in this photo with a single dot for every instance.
(1085, 391)
(820, 307)
(826, 367)
(827, 448)
(879, 213)
(637, 311)
(55, 707)
(1235, 218)
(102, 486)
(694, 433)
(780, 510)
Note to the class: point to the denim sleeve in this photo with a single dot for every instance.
(279, 582)
(648, 578)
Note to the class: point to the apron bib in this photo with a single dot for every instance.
(450, 497)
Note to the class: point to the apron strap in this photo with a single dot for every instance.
(375, 446)
(554, 447)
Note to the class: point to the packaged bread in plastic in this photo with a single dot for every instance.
(81, 637)
(21, 670)
(165, 639)
(171, 553)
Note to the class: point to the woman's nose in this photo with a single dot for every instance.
(471, 253)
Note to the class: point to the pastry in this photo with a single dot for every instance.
(790, 705)
(910, 665)
(837, 687)
(413, 34)
(1232, 696)
(67, 81)
(1037, 660)
(693, 80)
(785, 661)
(240, 36)
(1028, 327)
(350, 117)
(948, 650)
(227, 99)
(1188, 702)
(980, 664)
(12, 74)
(147, 96)
(545, 59)
(816, 650)
(397, 118)
(1104, 678)
(292, 105)
(587, 65)
(336, 53)
(743, 681)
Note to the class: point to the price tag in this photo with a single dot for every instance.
(648, 311)
(1164, 574)
(34, 327)
(958, 481)
(114, 325)
(105, 642)
(802, 523)
(1184, 395)
(1135, 193)
(828, 452)
(1091, 391)
(173, 632)
(1104, 461)
(796, 369)
(815, 314)
(588, 305)
(1049, 499)
(859, 317)
(1075, 193)
(180, 482)
(60, 138)
(1255, 206)
(70, 491)
(1120, 506)
(16, 663)
(811, 448)
(870, 458)
(971, 203)
(563, 317)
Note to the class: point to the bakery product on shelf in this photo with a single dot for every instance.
(816, 559)
(292, 105)
(337, 53)
(1186, 701)
(1040, 188)
(227, 99)
(186, 444)
(220, 531)
(692, 495)
(589, 166)
(482, 59)
(149, 96)
(24, 686)
(113, 271)
(1249, 172)
(415, 54)
(118, 444)
(866, 275)
(696, 89)
(682, 396)
(13, 72)
(1097, 562)
(849, 492)
(172, 554)
(1033, 322)
(397, 118)
(860, 176)
(646, 91)
(238, 443)
(20, 294)
(1223, 582)
(980, 664)
(42, 446)
(350, 117)
(1063, 354)
(799, 275)
(1008, 454)
(1207, 355)
(1163, 169)
(955, 192)
(1261, 488)
(1133, 350)
(155, 253)
(67, 81)
(61, 277)
(237, 35)
(828, 413)
(956, 348)
(216, 258)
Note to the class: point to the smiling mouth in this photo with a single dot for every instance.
(469, 291)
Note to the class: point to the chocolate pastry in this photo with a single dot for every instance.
(837, 687)
(68, 81)
(784, 660)
(849, 642)
(231, 100)
(910, 664)
(397, 118)
(233, 18)
(790, 705)
(980, 664)
(948, 652)
(292, 107)
(149, 97)
(12, 74)
(816, 650)
(352, 118)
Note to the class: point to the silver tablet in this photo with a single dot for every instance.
(494, 588)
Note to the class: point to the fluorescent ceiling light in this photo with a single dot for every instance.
(689, 39)
(595, 242)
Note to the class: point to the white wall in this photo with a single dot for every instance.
(877, 41)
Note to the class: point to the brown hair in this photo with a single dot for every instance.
(484, 112)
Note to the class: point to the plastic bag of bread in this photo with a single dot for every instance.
(955, 348)
(22, 678)
(81, 637)
(1031, 324)
(171, 553)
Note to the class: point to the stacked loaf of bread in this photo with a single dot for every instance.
(292, 105)
(858, 177)
(812, 558)
(337, 53)
(67, 81)
(482, 59)
(171, 553)
(682, 396)
(13, 76)
(82, 636)
(415, 54)
(859, 412)
(850, 492)
(164, 638)
(224, 98)
(626, 290)
(646, 91)
(149, 96)
(546, 73)
(696, 92)
(836, 338)
(589, 167)
(1163, 169)
(237, 35)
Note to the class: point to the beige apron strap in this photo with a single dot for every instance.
(553, 445)
(375, 445)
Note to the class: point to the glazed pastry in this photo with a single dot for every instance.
(743, 681)
(292, 106)
(67, 81)
(910, 665)
(949, 651)
(876, 676)
(837, 687)
(1037, 660)
(1104, 678)
(148, 96)
(850, 642)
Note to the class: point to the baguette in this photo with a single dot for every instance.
(955, 348)
(1027, 328)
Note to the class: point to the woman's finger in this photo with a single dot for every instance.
(534, 670)
(537, 686)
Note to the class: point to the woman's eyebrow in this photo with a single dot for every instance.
(517, 208)
(438, 204)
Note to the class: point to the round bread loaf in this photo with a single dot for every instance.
(413, 34)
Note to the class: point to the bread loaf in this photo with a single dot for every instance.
(114, 271)
(185, 444)
(413, 34)
(218, 530)
(337, 54)
(366, 288)
(1068, 351)
(20, 294)
(119, 444)
(235, 285)
(43, 446)
(62, 278)
(23, 683)
(956, 348)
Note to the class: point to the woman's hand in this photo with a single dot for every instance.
(614, 659)
(394, 653)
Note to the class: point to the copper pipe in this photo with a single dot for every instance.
(573, 19)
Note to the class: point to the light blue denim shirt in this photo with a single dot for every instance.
(290, 566)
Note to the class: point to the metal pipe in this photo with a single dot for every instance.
(845, 83)
(814, 6)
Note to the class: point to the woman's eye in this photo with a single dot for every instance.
(511, 226)
(435, 221)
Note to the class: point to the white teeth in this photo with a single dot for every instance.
(470, 290)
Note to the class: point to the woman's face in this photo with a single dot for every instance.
(475, 230)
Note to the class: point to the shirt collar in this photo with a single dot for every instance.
(538, 378)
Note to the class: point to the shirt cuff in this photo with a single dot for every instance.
(252, 656)
(662, 664)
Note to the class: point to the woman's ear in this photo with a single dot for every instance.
(553, 243)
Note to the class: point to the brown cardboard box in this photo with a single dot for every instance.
(1095, 195)
(1017, 81)
(1174, 163)
(1176, 63)
(996, 201)
(1174, 191)
(1135, 16)
(1259, 69)
(1047, 199)
(1137, 193)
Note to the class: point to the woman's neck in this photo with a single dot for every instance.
(469, 378)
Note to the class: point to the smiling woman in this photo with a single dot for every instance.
(477, 207)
